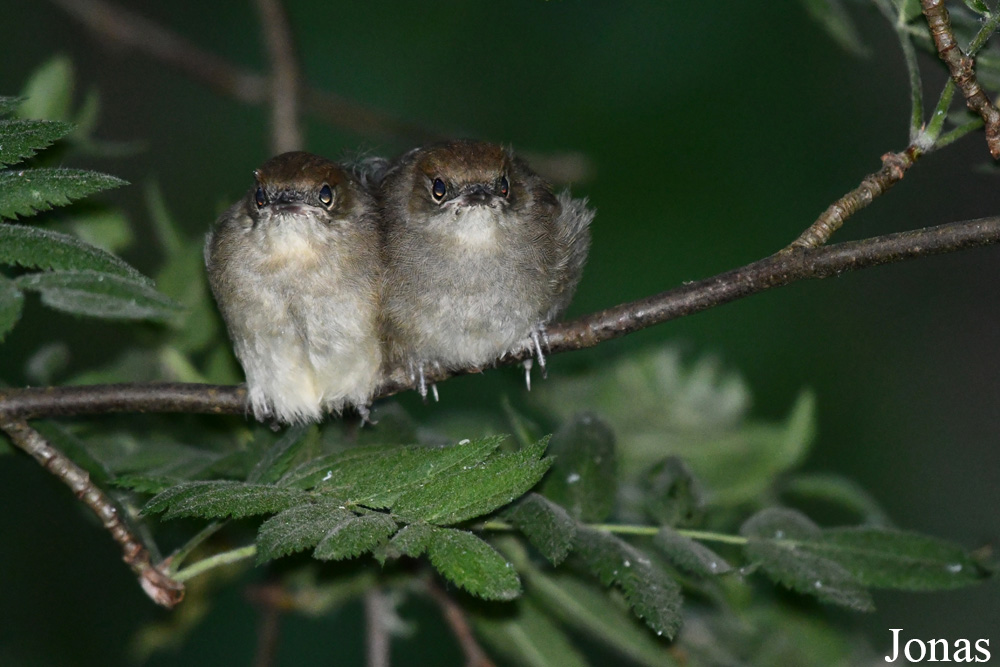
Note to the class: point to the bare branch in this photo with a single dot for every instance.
(454, 615)
(154, 580)
(894, 166)
(377, 628)
(286, 130)
(962, 70)
(783, 268)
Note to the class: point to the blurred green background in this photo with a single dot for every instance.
(716, 134)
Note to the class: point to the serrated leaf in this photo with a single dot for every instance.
(652, 595)
(773, 539)
(411, 540)
(584, 476)
(11, 302)
(839, 491)
(376, 474)
(9, 104)
(885, 558)
(548, 527)
(279, 456)
(472, 564)
(689, 555)
(838, 24)
(299, 528)
(218, 499)
(671, 494)
(151, 484)
(100, 295)
(36, 248)
(528, 638)
(475, 490)
(20, 139)
(26, 191)
(358, 535)
(593, 613)
(49, 90)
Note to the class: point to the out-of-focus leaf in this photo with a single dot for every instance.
(357, 535)
(885, 558)
(547, 526)
(671, 494)
(838, 24)
(838, 491)
(472, 564)
(9, 104)
(36, 248)
(583, 478)
(218, 499)
(475, 490)
(649, 591)
(774, 539)
(100, 295)
(279, 456)
(20, 139)
(49, 91)
(528, 638)
(978, 6)
(689, 555)
(299, 528)
(27, 191)
(11, 302)
(103, 227)
(46, 363)
(75, 448)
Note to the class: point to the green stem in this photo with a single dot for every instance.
(183, 552)
(625, 529)
(959, 132)
(218, 560)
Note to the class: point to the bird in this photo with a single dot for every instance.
(295, 267)
(480, 255)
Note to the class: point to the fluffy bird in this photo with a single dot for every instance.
(295, 268)
(480, 254)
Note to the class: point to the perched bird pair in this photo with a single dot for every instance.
(447, 257)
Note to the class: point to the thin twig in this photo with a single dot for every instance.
(271, 601)
(894, 166)
(286, 129)
(961, 67)
(783, 268)
(153, 578)
(454, 615)
(377, 644)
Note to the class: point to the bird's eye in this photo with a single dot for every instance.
(504, 186)
(325, 195)
(438, 190)
(260, 198)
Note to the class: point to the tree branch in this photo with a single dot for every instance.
(156, 583)
(961, 67)
(285, 81)
(377, 640)
(454, 615)
(783, 268)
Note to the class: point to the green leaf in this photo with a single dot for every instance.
(528, 638)
(36, 248)
(885, 558)
(978, 6)
(838, 491)
(671, 494)
(25, 191)
(774, 537)
(100, 295)
(9, 104)
(411, 540)
(11, 302)
(49, 91)
(357, 535)
(151, 484)
(548, 527)
(649, 591)
(218, 499)
(835, 19)
(472, 564)
(20, 139)
(104, 227)
(299, 528)
(595, 614)
(475, 490)
(279, 456)
(76, 449)
(584, 475)
(690, 555)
